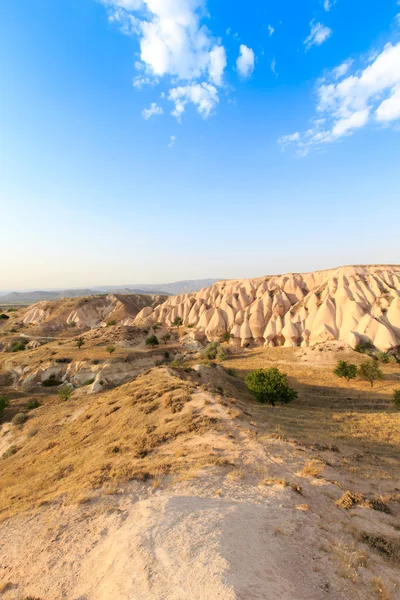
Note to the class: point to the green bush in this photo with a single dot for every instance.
(396, 398)
(80, 342)
(18, 346)
(111, 323)
(19, 419)
(364, 347)
(65, 393)
(370, 371)
(166, 337)
(4, 317)
(152, 341)
(51, 381)
(32, 404)
(222, 353)
(110, 349)
(177, 322)
(4, 403)
(270, 386)
(156, 326)
(346, 370)
(211, 350)
(383, 357)
(227, 337)
(10, 452)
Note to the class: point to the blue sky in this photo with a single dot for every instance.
(145, 141)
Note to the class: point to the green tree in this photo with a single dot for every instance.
(346, 370)
(177, 322)
(156, 326)
(370, 371)
(270, 386)
(396, 398)
(4, 403)
(166, 337)
(110, 349)
(152, 341)
(80, 342)
(227, 336)
(65, 393)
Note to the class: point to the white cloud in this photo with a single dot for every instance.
(289, 139)
(389, 109)
(273, 66)
(397, 17)
(271, 30)
(203, 95)
(245, 61)
(172, 141)
(173, 41)
(318, 35)
(342, 69)
(153, 110)
(217, 64)
(370, 94)
(328, 4)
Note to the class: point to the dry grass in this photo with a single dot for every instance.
(312, 468)
(381, 590)
(349, 558)
(136, 431)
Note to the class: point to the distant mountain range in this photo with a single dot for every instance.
(172, 289)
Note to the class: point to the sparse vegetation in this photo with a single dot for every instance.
(177, 322)
(396, 399)
(19, 419)
(51, 381)
(18, 346)
(166, 337)
(4, 403)
(364, 347)
(346, 370)
(32, 404)
(156, 326)
(370, 371)
(110, 349)
(152, 341)
(211, 350)
(270, 386)
(65, 393)
(111, 323)
(80, 342)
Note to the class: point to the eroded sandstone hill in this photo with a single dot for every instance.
(93, 311)
(354, 304)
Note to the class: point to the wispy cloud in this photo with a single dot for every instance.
(345, 104)
(153, 110)
(172, 141)
(245, 62)
(271, 30)
(328, 4)
(273, 66)
(318, 35)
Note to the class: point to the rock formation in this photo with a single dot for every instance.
(353, 304)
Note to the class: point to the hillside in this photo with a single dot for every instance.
(352, 304)
(142, 472)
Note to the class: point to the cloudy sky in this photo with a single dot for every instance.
(145, 141)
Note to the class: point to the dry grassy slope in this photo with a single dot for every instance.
(352, 304)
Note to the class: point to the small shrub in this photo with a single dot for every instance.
(346, 370)
(190, 326)
(270, 386)
(32, 404)
(363, 347)
(152, 341)
(10, 452)
(4, 317)
(64, 361)
(383, 357)
(156, 326)
(227, 336)
(65, 393)
(51, 381)
(80, 342)
(211, 350)
(370, 371)
(177, 322)
(4, 403)
(110, 349)
(166, 337)
(396, 398)
(111, 323)
(18, 346)
(19, 419)
(88, 382)
(222, 353)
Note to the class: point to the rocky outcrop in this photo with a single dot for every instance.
(91, 312)
(352, 304)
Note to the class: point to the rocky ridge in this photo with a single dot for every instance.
(354, 304)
